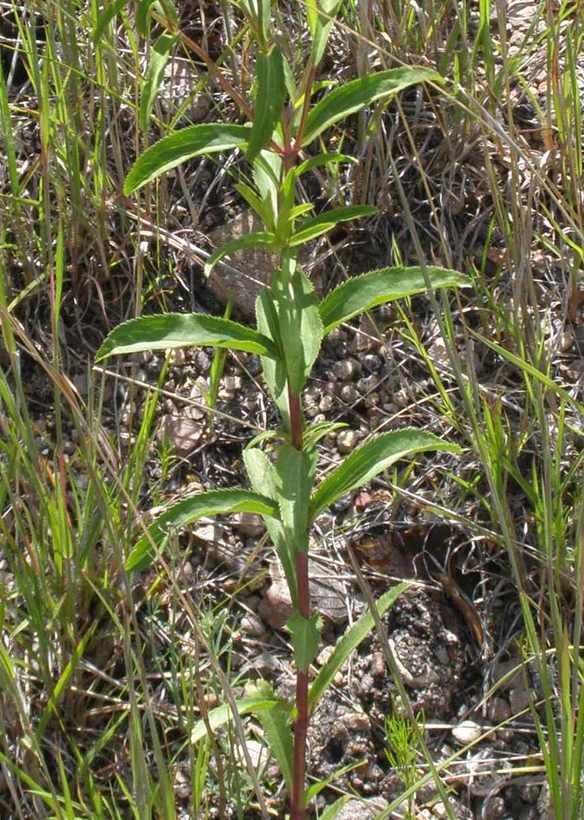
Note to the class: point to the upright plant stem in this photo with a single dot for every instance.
(301, 726)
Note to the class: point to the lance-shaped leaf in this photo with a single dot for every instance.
(221, 715)
(355, 95)
(349, 642)
(319, 161)
(159, 56)
(305, 634)
(214, 502)
(270, 96)
(172, 330)
(299, 325)
(185, 144)
(372, 458)
(274, 369)
(380, 286)
(295, 470)
(275, 721)
(317, 225)
(254, 239)
(263, 479)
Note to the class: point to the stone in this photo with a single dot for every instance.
(367, 809)
(467, 732)
(249, 525)
(184, 432)
(347, 440)
(327, 597)
(347, 370)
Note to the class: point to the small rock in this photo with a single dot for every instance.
(326, 404)
(467, 732)
(349, 393)
(518, 699)
(252, 626)
(347, 440)
(250, 525)
(493, 808)
(184, 432)
(377, 665)
(367, 809)
(347, 369)
(371, 363)
(367, 384)
(498, 710)
(356, 722)
(202, 361)
(324, 655)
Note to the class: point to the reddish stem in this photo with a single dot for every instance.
(302, 712)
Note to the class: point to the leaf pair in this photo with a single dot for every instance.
(281, 493)
(270, 95)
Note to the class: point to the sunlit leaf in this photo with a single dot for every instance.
(263, 479)
(254, 239)
(357, 94)
(295, 471)
(188, 510)
(317, 225)
(269, 100)
(159, 55)
(305, 634)
(167, 153)
(348, 643)
(171, 330)
(380, 286)
(372, 458)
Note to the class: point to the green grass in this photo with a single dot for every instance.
(103, 676)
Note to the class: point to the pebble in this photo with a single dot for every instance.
(250, 525)
(347, 369)
(202, 361)
(347, 440)
(252, 626)
(518, 699)
(326, 404)
(349, 393)
(356, 722)
(184, 432)
(467, 732)
(362, 809)
(498, 710)
(367, 384)
(371, 362)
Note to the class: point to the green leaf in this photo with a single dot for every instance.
(320, 17)
(262, 207)
(221, 715)
(372, 458)
(269, 100)
(299, 325)
(305, 633)
(253, 239)
(333, 809)
(110, 10)
(263, 479)
(357, 94)
(164, 8)
(295, 470)
(167, 153)
(349, 642)
(265, 18)
(319, 161)
(172, 330)
(317, 225)
(214, 502)
(380, 286)
(314, 432)
(274, 369)
(274, 721)
(159, 55)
